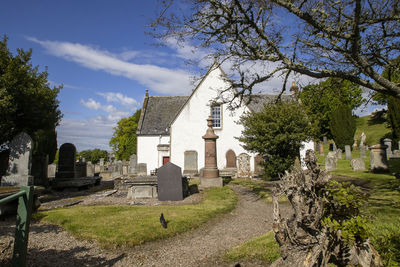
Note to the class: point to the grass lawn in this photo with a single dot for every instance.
(115, 226)
(373, 129)
(263, 248)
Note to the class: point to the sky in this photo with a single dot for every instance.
(100, 52)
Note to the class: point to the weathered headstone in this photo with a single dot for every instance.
(388, 143)
(142, 169)
(331, 161)
(66, 161)
(378, 159)
(89, 169)
(321, 149)
(339, 153)
(355, 146)
(334, 147)
(347, 150)
(133, 164)
(19, 162)
(97, 168)
(303, 149)
(325, 140)
(357, 164)
(190, 162)
(396, 153)
(80, 169)
(125, 169)
(101, 165)
(230, 159)
(363, 152)
(51, 170)
(244, 165)
(169, 178)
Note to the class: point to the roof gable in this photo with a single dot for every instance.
(158, 113)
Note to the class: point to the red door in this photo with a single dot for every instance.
(165, 160)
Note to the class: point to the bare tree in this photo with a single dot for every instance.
(350, 39)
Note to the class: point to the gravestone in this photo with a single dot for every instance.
(66, 161)
(125, 169)
(230, 159)
(321, 149)
(190, 162)
(347, 150)
(331, 161)
(358, 164)
(142, 169)
(243, 165)
(133, 164)
(101, 165)
(363, 152)
(119, 166)
(89, 169)
(339, 153)
(388, 143)
(355, 146)
(51, 170)
(169, 179)
(378, 158)
(97, 168)
(80, 169)
(396, 153)
(19, 162)
(258, 167)
(305, 146)
(325, 140)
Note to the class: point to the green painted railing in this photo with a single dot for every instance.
(24, 213)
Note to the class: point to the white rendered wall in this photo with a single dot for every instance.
(147, 150)
(190, 125)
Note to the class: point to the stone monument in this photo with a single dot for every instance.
(331, 161)
(132, 164)
(210, 176)
(358, 164)
(66, 161)
(388, 144)
(169, 179)
(19, 162)
(378, 159)
(347, 150)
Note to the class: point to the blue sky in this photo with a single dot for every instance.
(99, 51)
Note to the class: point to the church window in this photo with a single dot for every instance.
(216, 116)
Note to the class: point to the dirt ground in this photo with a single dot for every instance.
(50, 245)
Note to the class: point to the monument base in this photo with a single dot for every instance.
(210, 182)
(17, 180)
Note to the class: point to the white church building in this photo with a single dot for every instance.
(170, 128)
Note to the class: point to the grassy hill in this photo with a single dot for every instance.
(373, 127)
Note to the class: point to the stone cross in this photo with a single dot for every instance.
(19, 162)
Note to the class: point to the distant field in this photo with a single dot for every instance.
(373, 129)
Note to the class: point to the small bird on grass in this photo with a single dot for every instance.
(162, 221)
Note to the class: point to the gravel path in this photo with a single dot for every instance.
(51, 246)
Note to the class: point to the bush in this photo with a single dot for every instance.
(343, 126)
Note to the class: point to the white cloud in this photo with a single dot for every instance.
(119, 98)
(91, 104)
(159, 79)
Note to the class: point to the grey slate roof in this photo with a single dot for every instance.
(158, 114)
(257, 101)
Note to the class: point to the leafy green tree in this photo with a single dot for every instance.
(123, 141)
(276, 133)
(343, 126)
(393, 116)
(94, 155)
(27, 103)
(321, 99)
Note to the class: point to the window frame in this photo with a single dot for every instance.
(220, 116)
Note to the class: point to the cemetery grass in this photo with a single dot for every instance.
(119, 226)
(382, 209)
(263, 248)
(374, 129)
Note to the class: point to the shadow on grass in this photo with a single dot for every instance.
(48, 256)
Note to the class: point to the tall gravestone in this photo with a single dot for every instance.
(66, 161)
(101, 165)
(190, 162)
(378, 158)
(210, 176)
(244, 165)
(133, 164)
(19, 162)
(169, 179)
(363, 152)
(89, 169)
(347, 150)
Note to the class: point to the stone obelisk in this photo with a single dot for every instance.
(210, 176)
